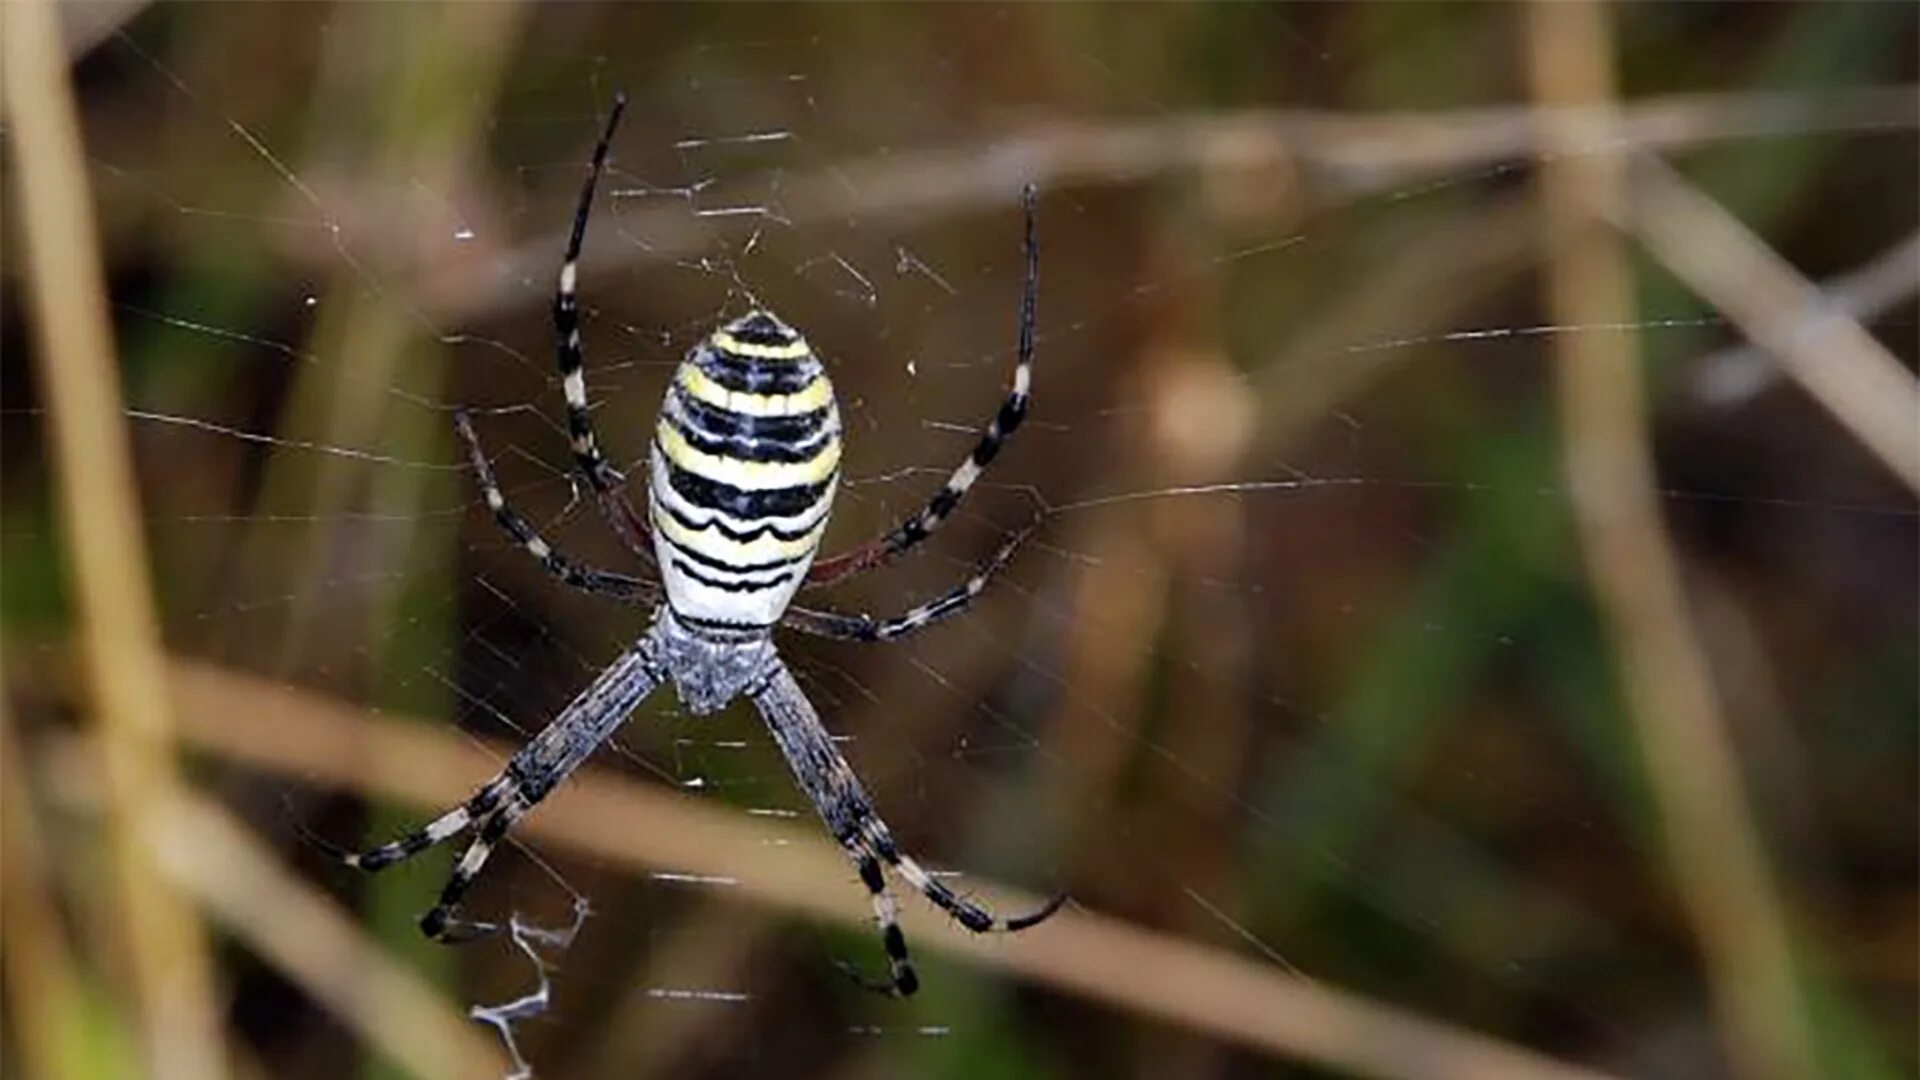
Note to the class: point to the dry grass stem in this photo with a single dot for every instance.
(1817, 344)
(435, 101)
(44, 997)
(1714, 851)
(1456, 647)
(107, 560)
(311, 739)
(83, 26)
(1865, 293)
(1355, 154)
(318, 946)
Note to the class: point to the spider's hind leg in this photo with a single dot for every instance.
(438, 923)
(435, 832)
(849, 815)
(901, 980)
(967, 913)
(529, 776)
(490, 813)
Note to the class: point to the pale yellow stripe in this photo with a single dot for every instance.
(746, 475)
(792, 350)
(702, 516)
(815, 396)
(714, 544)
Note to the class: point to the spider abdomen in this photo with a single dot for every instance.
(745, 460)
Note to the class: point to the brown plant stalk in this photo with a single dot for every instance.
(1713, 849)
(311, 739)
(117, 627)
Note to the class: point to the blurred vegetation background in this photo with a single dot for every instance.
(1472, 630)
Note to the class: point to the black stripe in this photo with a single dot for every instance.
(724, 423)
(741, 504)
(497, 826)
(510, 521)
(966, 914)
(760, 328)
(753, 374)
(566, 320)
(579, 424)
(747, 536)
(775, 582)
(387, 854)
(943, 503)
(488, 797)
(756, 451)
(732, 568)
(532, 782)
(699, 623)
(726, 441)
(1035, 918)
(1012, 411)
(1005, 423)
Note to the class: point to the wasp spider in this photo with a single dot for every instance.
(744, 463)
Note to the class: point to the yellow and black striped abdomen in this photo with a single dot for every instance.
(745, 460)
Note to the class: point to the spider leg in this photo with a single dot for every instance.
(901, 980)
(583, 577)
(832, 624)
(1012, 411)
(830, 783)
(438, 922)
(438, 831)
(603, 478)
(530, 775)
(966, 912)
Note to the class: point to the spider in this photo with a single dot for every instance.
(744, 462)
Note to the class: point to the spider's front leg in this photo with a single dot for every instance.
(570, 571)
(910, 532)
(603, 478)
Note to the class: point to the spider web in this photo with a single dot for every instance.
(1301, 665)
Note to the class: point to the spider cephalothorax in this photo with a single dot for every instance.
(742, 471)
